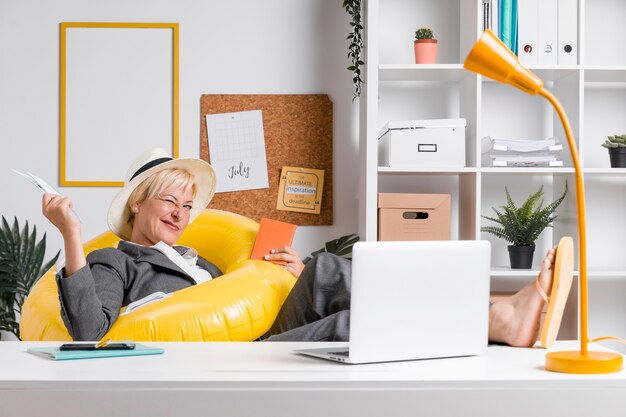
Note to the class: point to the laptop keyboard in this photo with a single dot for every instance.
(341, 353)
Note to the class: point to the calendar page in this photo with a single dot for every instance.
(237, 149)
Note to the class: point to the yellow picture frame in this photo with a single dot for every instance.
(64, 160)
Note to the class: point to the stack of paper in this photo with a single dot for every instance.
(515, 152)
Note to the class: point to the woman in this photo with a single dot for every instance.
(161, 196)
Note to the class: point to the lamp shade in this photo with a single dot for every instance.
(491, 58)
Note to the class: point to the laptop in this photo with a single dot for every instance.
(416, 300)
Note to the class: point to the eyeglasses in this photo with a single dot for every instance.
(172, 203)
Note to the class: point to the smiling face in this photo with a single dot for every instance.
(163, 217)
(160, 207)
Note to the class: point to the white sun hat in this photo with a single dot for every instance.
(151, 161)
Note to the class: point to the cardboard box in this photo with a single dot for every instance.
(413, 216)
(423, 143)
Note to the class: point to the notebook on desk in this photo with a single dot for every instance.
(55, 354)
(416, 300)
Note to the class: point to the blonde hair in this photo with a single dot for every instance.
(157, 183)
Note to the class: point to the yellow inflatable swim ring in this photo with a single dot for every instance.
(241, 305)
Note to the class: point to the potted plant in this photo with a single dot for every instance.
(341, 247)
(617, 150)
(21, 265)
(425, 46)
(522, 225)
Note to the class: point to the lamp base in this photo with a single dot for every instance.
(574, 362)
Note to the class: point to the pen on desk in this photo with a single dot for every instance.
(102, 343)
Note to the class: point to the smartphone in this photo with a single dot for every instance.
(92, 346)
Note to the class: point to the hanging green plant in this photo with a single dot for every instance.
(21, 265)
(353, 7)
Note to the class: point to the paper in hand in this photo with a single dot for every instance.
(39, 183)
(42, 185)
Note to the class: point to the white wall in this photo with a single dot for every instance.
(226, 47)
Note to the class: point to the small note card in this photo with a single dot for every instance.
(237, 147)
(300, 190)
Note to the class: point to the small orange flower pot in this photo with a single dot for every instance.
(425, 51)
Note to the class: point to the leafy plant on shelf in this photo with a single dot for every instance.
(340, 247)
(615, 141)
(353, 7)
(521, 226)
(424, 33)
(21, 265)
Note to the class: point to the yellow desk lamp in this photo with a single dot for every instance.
(491, 58)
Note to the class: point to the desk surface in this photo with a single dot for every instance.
(221, 372)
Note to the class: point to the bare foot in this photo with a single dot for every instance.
(515, 320)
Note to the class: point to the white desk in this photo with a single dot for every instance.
(266, 379)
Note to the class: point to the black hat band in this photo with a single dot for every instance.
(149, 165)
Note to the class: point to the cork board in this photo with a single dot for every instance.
(298, 132)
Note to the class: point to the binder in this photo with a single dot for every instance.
(547, 36)
(527, 44)
(486, 15)
(567, 24)
(494, 9)
(514, 26)
(506, 14)
(55, 354)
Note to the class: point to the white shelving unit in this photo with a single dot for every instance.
(593, 93)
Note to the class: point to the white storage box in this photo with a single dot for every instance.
(422, 143)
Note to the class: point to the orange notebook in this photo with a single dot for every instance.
(272, 234)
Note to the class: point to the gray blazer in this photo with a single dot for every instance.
(91, 298)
